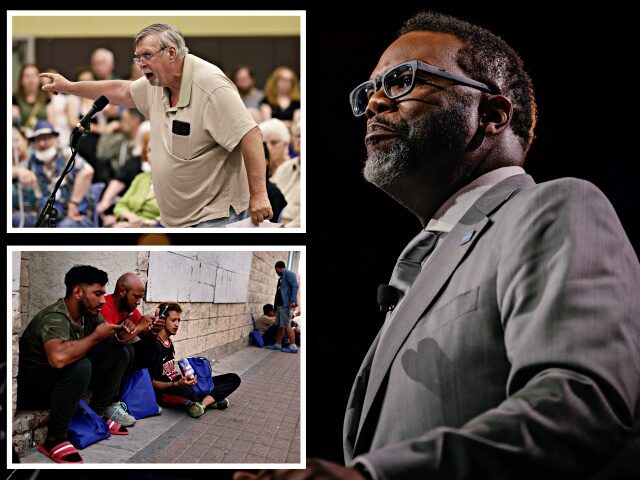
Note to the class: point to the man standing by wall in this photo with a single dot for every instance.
(285, 301)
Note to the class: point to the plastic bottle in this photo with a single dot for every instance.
(187, 369)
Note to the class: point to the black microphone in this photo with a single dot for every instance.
(388, 297)
(97, 106)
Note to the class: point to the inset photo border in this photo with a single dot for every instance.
(271, 44)
(222, 295)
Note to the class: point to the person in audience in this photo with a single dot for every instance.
(285, 171)
(245, 82)
(47, 161)
(67, 348)
(123, 176)
(29, 101)
(57, 114)
(174, 389)
(116, 145)
(295, 146)
(103, 64)
(282, 95)
(138, 207)
(78, 107)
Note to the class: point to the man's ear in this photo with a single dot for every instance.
(495, 113)
(77, 292)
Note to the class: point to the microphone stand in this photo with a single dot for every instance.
(49, 209)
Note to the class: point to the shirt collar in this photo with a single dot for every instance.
(457, 205)
(185, 85)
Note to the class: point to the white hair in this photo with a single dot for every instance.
(277, 128)
(168, 36)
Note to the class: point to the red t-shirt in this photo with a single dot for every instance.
(111, 314)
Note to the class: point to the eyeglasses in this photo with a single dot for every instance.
(145, 56)
(400, 81)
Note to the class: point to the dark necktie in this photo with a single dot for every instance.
(409, 264)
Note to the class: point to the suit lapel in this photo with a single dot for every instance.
(429, 284)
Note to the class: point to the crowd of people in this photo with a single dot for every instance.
(111, 184)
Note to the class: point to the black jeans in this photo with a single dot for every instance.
(60, 389)
(223, 386)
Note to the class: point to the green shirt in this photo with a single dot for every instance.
(53, 322)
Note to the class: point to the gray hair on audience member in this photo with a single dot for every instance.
(277, 128)
(168, 36)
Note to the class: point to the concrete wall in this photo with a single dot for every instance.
(217, 277)
(47, 270)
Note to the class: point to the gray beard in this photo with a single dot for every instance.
(426, 141)
(385, 167)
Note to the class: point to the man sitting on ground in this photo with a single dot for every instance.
(174, 389)
(120, 305)
(66, 348)
(265, 324)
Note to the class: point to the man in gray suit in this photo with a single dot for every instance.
(513, 348)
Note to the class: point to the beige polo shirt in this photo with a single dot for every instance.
(196, 177)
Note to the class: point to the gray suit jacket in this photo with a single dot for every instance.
(516, 351)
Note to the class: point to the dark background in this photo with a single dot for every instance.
(581, 63)
(263, 54)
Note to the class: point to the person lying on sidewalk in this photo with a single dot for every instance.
(66, 349)
(123, 304)
(174, 389)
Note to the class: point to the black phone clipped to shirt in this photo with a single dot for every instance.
(181, 128)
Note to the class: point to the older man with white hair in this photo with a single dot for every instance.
(209, 166)
(285, 171)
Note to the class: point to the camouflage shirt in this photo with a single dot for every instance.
(53, 322)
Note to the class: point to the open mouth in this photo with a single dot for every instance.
(148, 75)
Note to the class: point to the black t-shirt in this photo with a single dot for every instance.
(278, 301)
(167, 370)
(128, 171)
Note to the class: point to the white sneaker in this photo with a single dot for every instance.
(118, 413)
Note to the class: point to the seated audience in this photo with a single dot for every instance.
(282, 95)
(138, 207)
(47, 162)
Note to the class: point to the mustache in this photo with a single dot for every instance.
(401, 127)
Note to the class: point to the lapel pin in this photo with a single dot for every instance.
(467, 236)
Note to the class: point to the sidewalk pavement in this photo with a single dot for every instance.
(262, 424)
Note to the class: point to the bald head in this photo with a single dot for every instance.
(128, 281)
(102, 64)
(129, 292)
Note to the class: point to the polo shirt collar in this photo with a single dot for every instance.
(185, 85)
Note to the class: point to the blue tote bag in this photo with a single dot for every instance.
(255, 334)
(139, 396)
(86, 427)
(202, 369)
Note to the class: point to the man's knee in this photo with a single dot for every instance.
(114, 356)
(79, 373)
